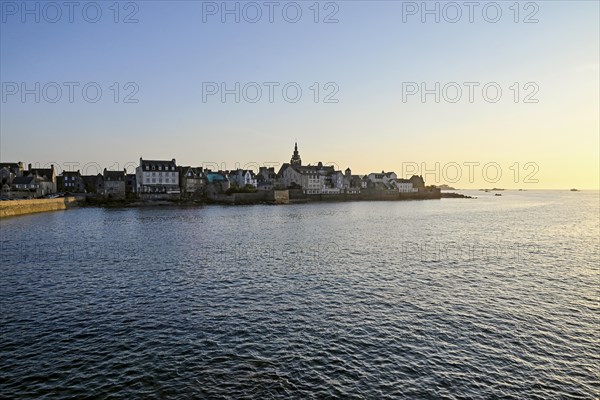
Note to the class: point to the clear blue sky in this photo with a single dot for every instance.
(170, 52)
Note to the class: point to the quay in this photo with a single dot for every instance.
(11, 208)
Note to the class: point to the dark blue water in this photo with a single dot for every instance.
(487, 298)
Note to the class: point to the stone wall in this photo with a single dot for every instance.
(297, 196)
(269, 196)
(12, 208)
(280, 196)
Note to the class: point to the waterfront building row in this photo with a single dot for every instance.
(156, 178)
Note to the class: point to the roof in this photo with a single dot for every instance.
(215, 177)
(71, 173)
(24, 180)
(46, 172)
(166, 165)
(114, 175)
(195, 171)
(93, 179)
(314, 169)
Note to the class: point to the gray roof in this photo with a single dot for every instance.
(114, 175)
(24, 180)
(147, 165)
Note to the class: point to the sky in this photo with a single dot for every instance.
(370, 85)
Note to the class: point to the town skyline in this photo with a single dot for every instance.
(165, 180)
(484, 173)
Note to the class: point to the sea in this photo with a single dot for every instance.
(489, 297)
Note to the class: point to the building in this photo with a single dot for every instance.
(130, 186)
(242, 178)
(313, 179)
(383, 177)
(114, 184)
(288, 177)
(266, 178)
(70, 181)
(93, 183)
(352, 183)
(29, 186)
(296, 160)
(192, 182)
(8, 172)
(405, 186)
(216, 182)
(49, 174)
(417, 181)
(157, 176)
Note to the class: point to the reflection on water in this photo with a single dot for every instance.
(490, 297)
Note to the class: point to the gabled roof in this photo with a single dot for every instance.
(45, 172)
(114, 175)
(24, 180)
(164, 165)
(215, 177)
(71, 173)
(92, 179)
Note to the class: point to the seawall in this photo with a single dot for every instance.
(297, 196)
(269, 197)
(12, 208)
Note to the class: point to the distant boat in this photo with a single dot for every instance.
(574, 190)
(497, 194)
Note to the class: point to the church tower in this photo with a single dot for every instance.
(296, 156)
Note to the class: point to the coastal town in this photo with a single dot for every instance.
(165, 180)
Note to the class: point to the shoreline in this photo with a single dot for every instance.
(14, 208)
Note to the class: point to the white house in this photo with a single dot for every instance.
(157, 176)
(405, 186)
(243, 177)
(383, 177)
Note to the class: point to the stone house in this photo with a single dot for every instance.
(8, 172)
(93, 183)
(192, 182)
(49, 174)
(70, 181)
(114, 184)
(216, 183)
(266, 178)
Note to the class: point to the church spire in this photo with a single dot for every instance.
(296, 160)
